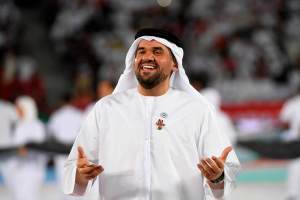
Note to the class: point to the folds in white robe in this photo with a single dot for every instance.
(142, 161)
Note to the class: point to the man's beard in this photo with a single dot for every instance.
(151, 82)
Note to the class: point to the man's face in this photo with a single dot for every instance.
(153, 63)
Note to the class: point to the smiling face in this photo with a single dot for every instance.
(153, 64)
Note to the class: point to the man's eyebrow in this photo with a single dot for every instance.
(157, 48)
(140, 48)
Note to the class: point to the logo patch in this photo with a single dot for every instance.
(160, 124)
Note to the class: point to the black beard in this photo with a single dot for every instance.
(152, 81)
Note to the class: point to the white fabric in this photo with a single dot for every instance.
(29, 131)
(213, 96)
(24, 174)
(290, 114)
(64, 125)
(225, 123)
(227, 126)
(8, 117)
(179, 80)
(28, 107)
(293, 179)
(142, 162)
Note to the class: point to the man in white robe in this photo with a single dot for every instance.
(64, 125)
(24, 173)
(155, 137)
(290, 114)
(8, 119)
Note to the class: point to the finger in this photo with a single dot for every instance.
(206, 167)
(219, 162)
(83, 162)
(94, 173)
(91, 177)
(225, 153)
(215, 168)
(203, 171)
(89, 169)
(81, 153)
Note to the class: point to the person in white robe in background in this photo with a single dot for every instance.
(214, 97)
(8, 119)
(25, 172)
(63, 126)
(155, 137)
(290, 114)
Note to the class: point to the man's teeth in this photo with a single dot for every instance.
(148, 67)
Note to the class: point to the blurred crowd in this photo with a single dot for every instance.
(23, 169)
(243, 45)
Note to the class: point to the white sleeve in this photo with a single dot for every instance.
(212, 142)
(87, 138)
(51, 126)
(286, 113)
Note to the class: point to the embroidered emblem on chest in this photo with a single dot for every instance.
(160, 124)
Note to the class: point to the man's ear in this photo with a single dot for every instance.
(174, 67)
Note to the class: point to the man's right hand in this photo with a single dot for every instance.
(85, 170)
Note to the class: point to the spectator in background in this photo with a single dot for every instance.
(202, 83)
(226, 125)
(104, 88)
(29, 81)
(8, 119)
(63, 126)
(290, 114)
(24, 173)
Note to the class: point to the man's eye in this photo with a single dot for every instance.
(157, 52)
(140, 52)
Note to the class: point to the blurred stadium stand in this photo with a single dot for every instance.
(243, 45)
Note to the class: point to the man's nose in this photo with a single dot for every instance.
(148, 56)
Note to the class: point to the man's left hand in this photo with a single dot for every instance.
(212, 168)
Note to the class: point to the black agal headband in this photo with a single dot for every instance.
(159, 33)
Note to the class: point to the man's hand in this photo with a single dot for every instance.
(85, 170)
(212, 168)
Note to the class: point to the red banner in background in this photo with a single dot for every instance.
(253, 109)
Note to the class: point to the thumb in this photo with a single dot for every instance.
(81, 153)
(225, 153)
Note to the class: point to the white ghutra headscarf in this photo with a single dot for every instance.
(179, 79)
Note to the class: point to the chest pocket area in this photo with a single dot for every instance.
(181, 131)
(175, 136)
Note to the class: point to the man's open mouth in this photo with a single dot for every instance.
(148, 68)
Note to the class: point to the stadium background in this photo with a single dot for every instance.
(250, 49)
